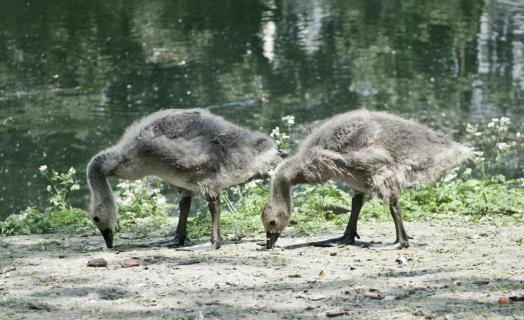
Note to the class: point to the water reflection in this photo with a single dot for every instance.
(74, 74)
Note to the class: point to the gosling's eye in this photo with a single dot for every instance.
(96, 219)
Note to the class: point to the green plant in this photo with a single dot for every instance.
(240, 216)
(281, 134)
(60, 184)
(141, 205)
(59, 216)
(492, 143)
(474, 194)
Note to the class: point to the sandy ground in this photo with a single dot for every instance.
(450, 272)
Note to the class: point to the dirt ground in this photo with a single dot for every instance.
(449, 272)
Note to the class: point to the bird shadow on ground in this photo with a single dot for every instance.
(376, 245)
(191, 246)
(326, 243)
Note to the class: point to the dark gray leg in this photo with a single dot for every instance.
(351, 229)
(181, 232)
(396, 213)
(213, 204)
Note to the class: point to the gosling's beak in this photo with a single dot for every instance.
(108, 237)
(271, 238)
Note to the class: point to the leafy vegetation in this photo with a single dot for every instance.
(142, 206)
(465, 194)
(58, 216)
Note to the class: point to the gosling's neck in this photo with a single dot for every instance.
(287, 174)
(98, 169)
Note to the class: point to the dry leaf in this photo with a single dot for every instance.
(321, 274)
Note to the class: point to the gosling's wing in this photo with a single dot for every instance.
(181, 140)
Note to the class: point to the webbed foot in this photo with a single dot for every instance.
(177, 242)
(335, 242)
(217, 243)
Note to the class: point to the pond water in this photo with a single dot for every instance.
(74, 74)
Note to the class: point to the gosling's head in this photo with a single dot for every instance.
(275, 218)
(103, 215)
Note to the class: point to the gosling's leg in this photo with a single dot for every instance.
(180, 234)
(181, 229)
(213, 203)
(401, 240)
(351, 229)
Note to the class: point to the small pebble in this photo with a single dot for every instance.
(97, 263)
(504, 300)
(373, 294)
(333, 254)
(129, 263)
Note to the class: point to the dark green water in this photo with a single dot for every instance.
(74, 74)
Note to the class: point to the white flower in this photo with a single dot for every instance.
(161, 201)
(505, 121)
(504, 124)
(472, 129)
(502, 146)
(253, 183)
(518, 134)
(452, 175)
(48, 188)
(467, 172)
(275, 132)
(72, 170)
(123, 184)
(43, 168)
(289, 120)
(74, 187)
(491, 124)
(478, 153)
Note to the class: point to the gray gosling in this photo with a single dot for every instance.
(372, 152)
(191, 149)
